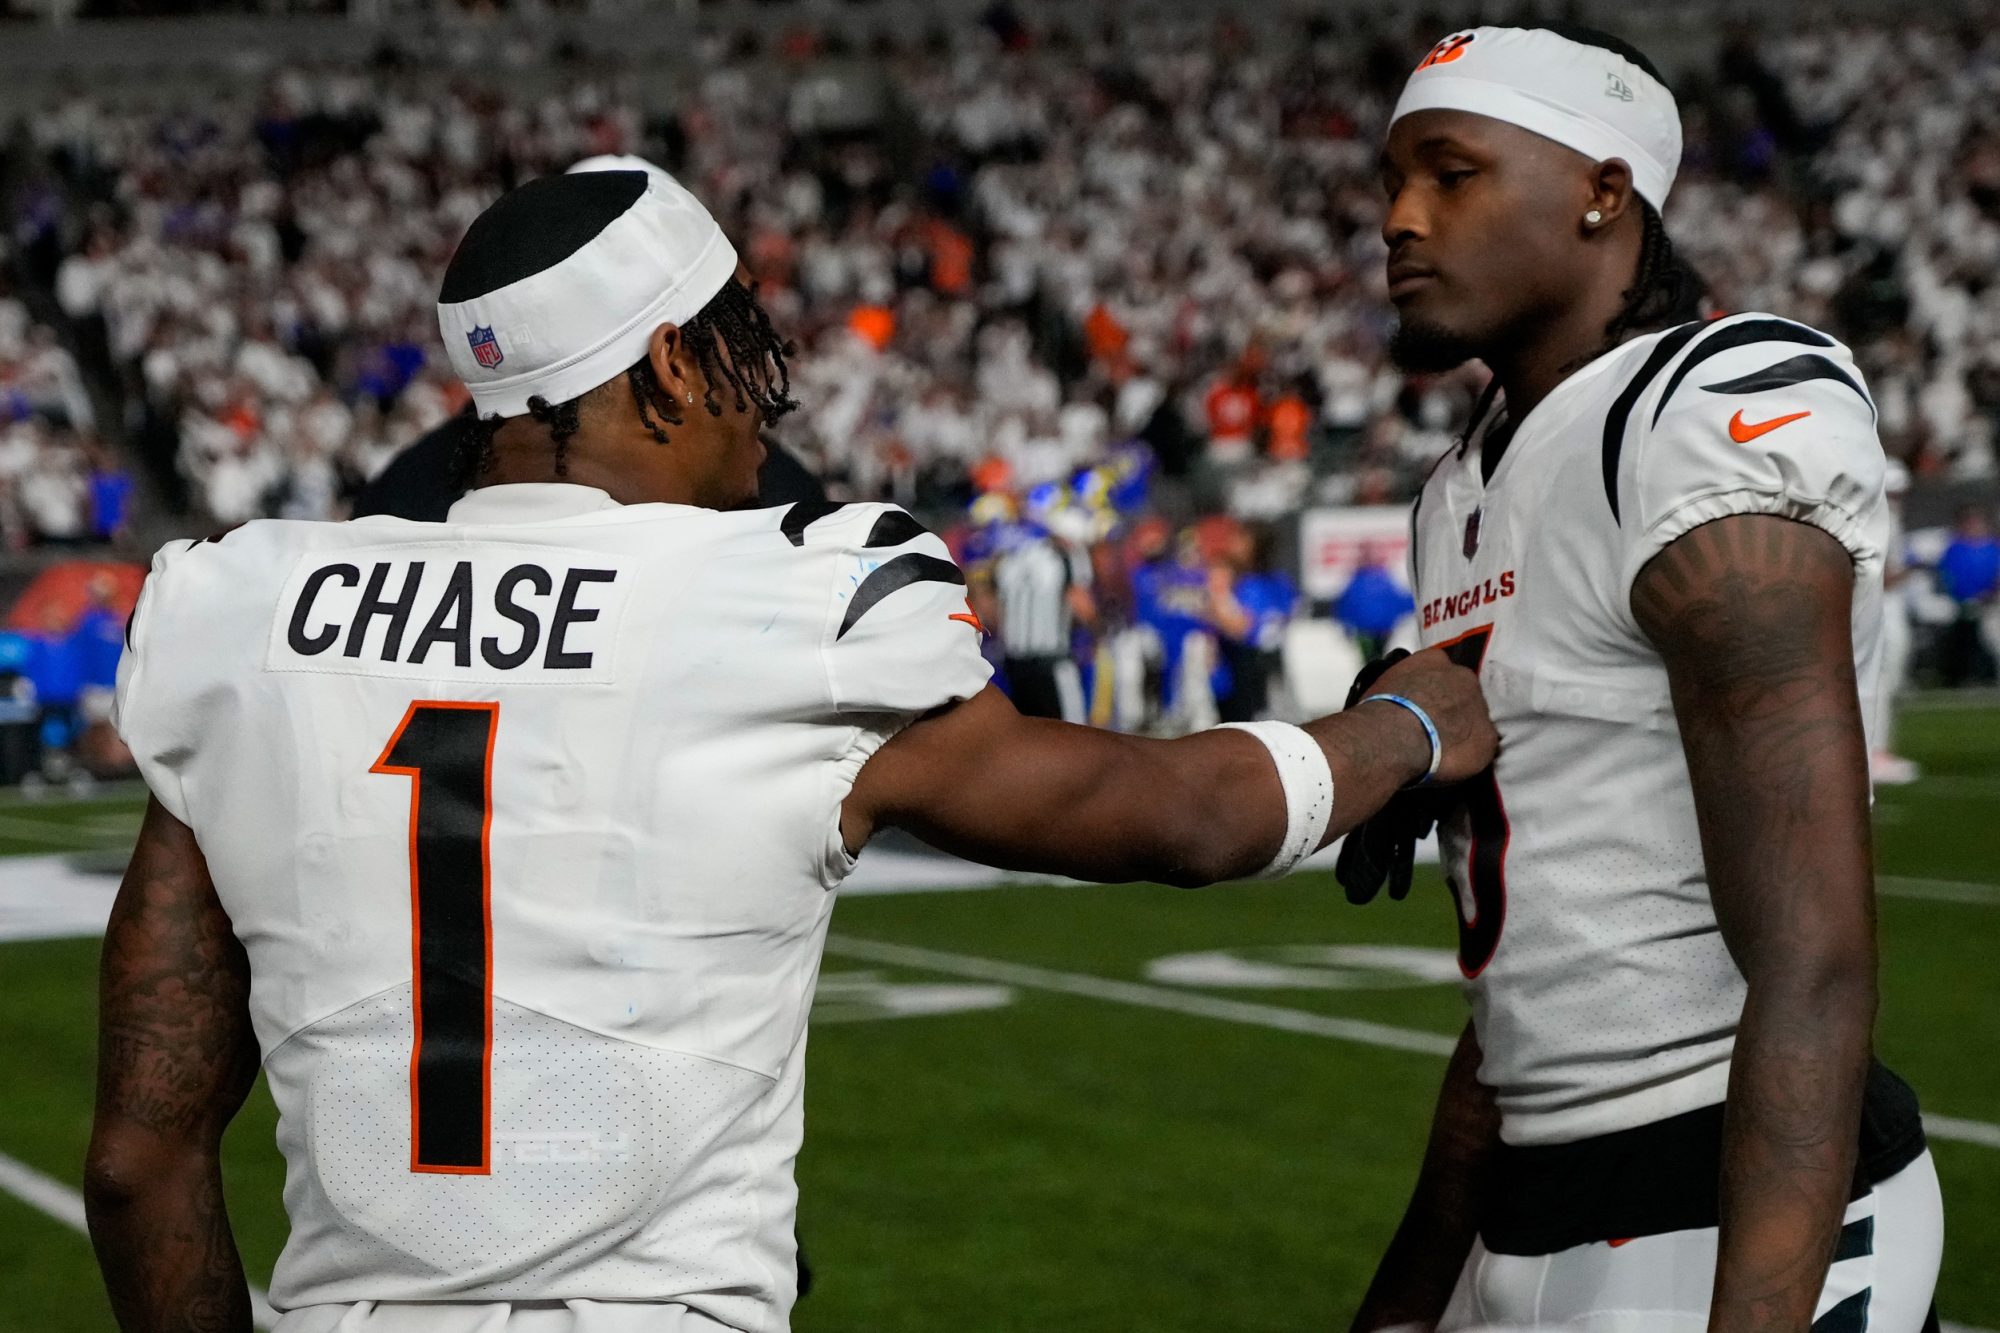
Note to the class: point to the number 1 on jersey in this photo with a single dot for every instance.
(446, 751)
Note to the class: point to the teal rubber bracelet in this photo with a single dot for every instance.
(1430, 730)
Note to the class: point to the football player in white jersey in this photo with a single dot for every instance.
(1661, 545)
(506, 846)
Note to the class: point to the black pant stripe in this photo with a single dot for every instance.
(1850, 1316)
(1857, 1238)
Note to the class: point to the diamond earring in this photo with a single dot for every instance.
(1593, 217)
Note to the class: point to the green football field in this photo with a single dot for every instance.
(1107, 1109)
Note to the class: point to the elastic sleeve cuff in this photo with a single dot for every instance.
(1828, 517)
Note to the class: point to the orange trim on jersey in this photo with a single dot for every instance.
(382, 765)
(415, 775)
(1459, 638)
(1743, 431)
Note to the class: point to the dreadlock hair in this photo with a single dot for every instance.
(733, 342)
(1666, 290)
(754, 371)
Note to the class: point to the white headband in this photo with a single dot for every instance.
(1582, 97)
(577, 324)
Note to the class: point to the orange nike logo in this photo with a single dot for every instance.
(1743, 432)
(968, 618)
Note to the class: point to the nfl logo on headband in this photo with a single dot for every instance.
(580, 270)
(485, 347)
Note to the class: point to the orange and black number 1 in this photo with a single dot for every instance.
(446, 750)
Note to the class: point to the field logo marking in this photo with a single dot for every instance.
(856, 997)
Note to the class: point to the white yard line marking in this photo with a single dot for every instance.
(1140, 994)
(1232, 1011)
(1939, 890)
(48, 898)
(67, 894)
(1962, 1131)
(36, 1190)
(65, 1205)
(1956, 786)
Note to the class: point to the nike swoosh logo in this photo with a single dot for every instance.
(1743, 431)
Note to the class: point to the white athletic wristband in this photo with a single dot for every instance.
(1308, 782)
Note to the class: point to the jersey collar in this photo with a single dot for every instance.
(1561, 405)
(529, 502)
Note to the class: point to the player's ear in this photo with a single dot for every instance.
(672, 362)
(1611, 195)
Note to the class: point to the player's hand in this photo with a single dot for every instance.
(1382, 850)
(1451, 695)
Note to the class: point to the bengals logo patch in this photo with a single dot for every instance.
(1446, 51)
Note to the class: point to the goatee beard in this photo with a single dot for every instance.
(1423, 349)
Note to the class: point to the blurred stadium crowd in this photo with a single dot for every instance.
(1049, 281)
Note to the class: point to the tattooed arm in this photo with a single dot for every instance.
(175, 1059)
(1751, 614)
(1414, 1281)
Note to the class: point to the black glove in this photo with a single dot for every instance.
(1384, 848)
(1371, 673)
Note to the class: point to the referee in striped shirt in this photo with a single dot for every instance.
(1043, 587)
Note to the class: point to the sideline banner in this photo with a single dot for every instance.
(1333, 541)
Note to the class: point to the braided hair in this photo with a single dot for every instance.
(1666, 290)
(731, 339)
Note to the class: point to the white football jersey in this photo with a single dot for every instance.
(528, 822)
(1602, 992)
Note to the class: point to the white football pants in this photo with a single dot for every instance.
(498, 1317)
(1881, 1280)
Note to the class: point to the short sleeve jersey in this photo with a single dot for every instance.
(528, 822)
(1603, 994)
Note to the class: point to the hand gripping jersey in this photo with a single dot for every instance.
(528, 823)
(1603, 995)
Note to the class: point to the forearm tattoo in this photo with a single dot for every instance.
(176, 1056)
